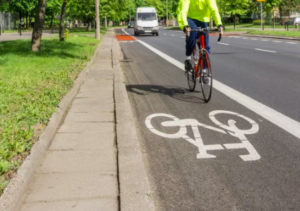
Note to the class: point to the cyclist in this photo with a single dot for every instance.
(196, 13)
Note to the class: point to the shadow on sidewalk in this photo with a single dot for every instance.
(177, 93)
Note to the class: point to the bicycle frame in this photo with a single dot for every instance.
(198, 63)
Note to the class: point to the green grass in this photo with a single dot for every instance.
(32, 85)
(251, 25)
(277, 33)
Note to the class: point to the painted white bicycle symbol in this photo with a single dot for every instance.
(230, 129)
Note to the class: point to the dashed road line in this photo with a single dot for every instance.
(221, 43)
(291, 42)
(258, 49)
(277, 41)
(264, 40)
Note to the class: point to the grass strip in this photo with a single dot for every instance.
(31, 86)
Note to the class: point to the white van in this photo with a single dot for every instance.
(146, 21)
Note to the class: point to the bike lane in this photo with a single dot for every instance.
(215, 156)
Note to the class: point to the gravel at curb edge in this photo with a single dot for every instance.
(12, 196)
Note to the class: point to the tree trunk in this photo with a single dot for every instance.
(30, 21)
(234, 19)
(89, 26)
(62, 21)
(20, 16)
(51, 24)
(38, 26)
(105, 22)
(97, 34)
(26, 20)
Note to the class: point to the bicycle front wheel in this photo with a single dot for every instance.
(191, 74)
(206, 79)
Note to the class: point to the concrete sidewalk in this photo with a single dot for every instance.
(94, 162)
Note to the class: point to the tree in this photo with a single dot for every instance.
(38, 26)
(97, 20)
(53, 8)
(236, 7)
(83, 10)
(62, 20)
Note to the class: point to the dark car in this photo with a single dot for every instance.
(131, 24)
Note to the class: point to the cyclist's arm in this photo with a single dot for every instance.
(182, 10)
(215, 12)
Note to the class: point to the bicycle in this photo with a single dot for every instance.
(201, 59)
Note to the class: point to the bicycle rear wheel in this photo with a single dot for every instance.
(206, 79)
(191, 75)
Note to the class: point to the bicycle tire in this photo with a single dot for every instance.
(206, 88)
(191, 75)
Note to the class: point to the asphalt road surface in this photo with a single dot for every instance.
(238, 152)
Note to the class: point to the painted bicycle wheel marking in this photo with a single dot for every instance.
(230, 129)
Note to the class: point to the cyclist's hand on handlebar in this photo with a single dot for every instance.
(186, 29)
(221, 28)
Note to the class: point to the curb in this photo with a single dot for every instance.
(134, 183)
(11, 198)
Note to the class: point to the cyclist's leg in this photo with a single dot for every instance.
(192, 39)
(190, 45)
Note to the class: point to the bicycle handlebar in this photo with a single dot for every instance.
(205, 30)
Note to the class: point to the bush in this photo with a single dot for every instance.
(245, 20)
(258, 22)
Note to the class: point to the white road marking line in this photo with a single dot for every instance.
(258, 49)
(244, 38)
(253, 39)
(128, 41)
(183, 37)
(291, 43)
(164, 34)
(125, 32)
(222, 43)
(264, 40)
(276, 41)
(172, 35)
(286, 123)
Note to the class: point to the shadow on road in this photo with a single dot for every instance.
(177, 93)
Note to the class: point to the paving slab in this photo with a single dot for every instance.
(88, 128)
(95, 101)
(93, 108)
(107, 74)
(83, 141)
(70, 186)
(90, 117)
(96, 204)
(80, 161)
(94, 94)
(98, 67)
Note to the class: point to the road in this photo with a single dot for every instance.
(240, 151)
